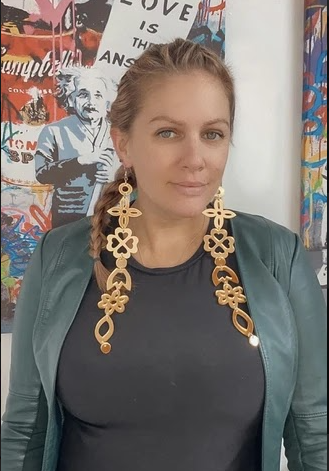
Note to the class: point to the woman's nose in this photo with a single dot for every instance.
(192, 154)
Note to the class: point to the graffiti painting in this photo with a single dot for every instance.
(60, 63)
(314, 159)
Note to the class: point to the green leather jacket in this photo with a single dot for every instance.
(285, 301)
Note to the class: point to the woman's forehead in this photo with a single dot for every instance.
(183, 91)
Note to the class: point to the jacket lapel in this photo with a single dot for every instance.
(270, 310)
(70, 281)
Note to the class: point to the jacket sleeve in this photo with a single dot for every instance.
(306, 426)
(25, 418)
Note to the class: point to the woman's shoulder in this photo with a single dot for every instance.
(256, 222)
(71, 228)
(263, 231)
(74, 234)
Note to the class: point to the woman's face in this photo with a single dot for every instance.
(178, 144)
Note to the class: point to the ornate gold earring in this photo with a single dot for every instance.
(122, 244)
(220, 245)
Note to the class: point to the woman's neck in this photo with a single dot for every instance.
(166, 242)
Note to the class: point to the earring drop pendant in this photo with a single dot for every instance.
(122, 243)
(219, 244)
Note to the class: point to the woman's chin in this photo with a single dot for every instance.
(188, 208)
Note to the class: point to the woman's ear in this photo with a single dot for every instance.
(120, 143)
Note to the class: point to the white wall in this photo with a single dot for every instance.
(265, 51)
(5, 359)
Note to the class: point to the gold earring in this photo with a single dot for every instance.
(220, 245)
(122, 244)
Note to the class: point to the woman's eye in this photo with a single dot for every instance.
(167, 134)
(213, 135)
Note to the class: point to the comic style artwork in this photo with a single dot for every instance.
(60, 63)
(315, 121)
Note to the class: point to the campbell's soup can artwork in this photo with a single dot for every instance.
(37, 40)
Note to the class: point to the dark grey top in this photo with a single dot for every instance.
(182, 389)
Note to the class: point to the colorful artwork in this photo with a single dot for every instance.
(314, 161)
(60, 63)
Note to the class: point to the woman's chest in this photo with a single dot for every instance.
(174, 351)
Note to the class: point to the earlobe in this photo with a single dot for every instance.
(120, 141)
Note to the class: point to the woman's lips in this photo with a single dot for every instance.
(190, 188)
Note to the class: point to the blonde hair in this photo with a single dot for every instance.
(159, 60)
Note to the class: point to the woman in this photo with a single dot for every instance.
(200, 341)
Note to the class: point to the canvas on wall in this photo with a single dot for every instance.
(60, 63)
(315, 125)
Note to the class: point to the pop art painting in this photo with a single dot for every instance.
(60, 63)
(315, 126)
